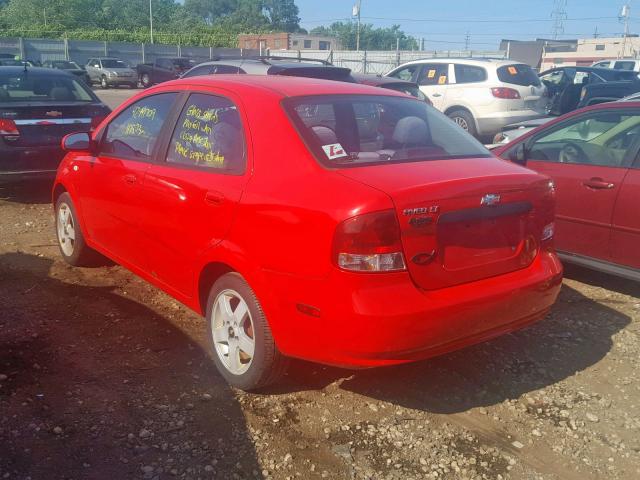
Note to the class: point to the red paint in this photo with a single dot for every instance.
(277, 225)
(597, 206)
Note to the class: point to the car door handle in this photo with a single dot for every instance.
(214, 198)
(598, 184)
(437, 95)
(130, 178)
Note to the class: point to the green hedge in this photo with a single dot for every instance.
(209, 37)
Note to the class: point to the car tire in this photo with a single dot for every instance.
(103, 82)
(464, 120)
(133, 85)
(145, 80)
(73, 247)
(236, 324)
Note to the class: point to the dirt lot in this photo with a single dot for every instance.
(104, 377)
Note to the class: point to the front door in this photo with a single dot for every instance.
(192, 195)
(625, 232)
(588, 157)
(111, 186)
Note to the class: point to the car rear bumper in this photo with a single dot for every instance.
(373, 320)
(18, 164)
(492, 124)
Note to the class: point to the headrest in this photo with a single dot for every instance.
(61, 93)
(411, 131)
(325, 135)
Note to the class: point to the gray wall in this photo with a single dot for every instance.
(81, 50)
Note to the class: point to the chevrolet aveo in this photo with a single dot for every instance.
(304, 218)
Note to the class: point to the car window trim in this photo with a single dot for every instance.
(167, 135)
(632, 154)
(153, 158)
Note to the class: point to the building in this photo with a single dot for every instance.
(587, 51)
(287, 41)
(529, 51)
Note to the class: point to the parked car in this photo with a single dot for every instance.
(480, 95)
(69, 66)
(163, 69)
(619, 64)
(111, 72)
(510, 132)
(39, 106)
(269, 65)
(293, 214)
(595, 93)
(592, 156)
(565, 84)
(403, 86)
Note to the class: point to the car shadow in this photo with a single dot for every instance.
(601, 279)
(97, 385)
(32, 192)
(575, 335)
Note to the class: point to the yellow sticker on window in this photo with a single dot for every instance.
(513, 70)
(431, 74)
(442, 80)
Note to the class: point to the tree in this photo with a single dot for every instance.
(283, 15)
(371, 38)
(210, 10)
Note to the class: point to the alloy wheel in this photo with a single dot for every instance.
(66, 229)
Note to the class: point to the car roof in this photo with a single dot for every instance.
(481, 62)
(253, 65)
(377, 80)
(282, 85)
(36, 71)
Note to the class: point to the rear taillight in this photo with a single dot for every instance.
(8, 127)
(505, 93)
(95, 121)
(369, 243)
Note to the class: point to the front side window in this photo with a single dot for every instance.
(434, 74)
(134, 132)
(352, 130)
(113, 63)
(469, 73)
(208, 134)
(624, 65)
(604, 138)
(555, 77)
(405, 73)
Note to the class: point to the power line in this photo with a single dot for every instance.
(558, 15)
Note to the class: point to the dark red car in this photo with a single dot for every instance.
(592, 156)
(306, 218)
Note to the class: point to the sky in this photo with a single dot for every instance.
(445, 23)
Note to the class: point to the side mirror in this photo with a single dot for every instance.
(519, 154)
(77, 142)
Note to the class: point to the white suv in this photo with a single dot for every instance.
(620, 64)
(482, 95)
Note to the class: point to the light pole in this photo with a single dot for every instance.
(356, 13)
(151, 21)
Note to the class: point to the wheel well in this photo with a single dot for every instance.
(453, 109)
(57, 191)
(208, 277)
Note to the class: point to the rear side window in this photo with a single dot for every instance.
(354, 130)
(203, 70)
(208, 134)
(227, 69)
(469, 73)
(134, 132)
(434, 74)
(518, 74)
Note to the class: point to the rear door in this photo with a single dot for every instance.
(625, 232)
(433, 79)
(111, 182)
(190, 197)
(588, 157)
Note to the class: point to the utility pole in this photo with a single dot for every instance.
(422, 44)
(624, 17)
(44, 12)
(356, 13)
(151, 21)
(467, 41)
(595, 33)
(559, 15)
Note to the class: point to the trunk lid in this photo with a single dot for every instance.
(45, 124)
(463, 220)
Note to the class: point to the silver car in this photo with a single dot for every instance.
(111, 72)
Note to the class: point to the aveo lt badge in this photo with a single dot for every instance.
(490, 199)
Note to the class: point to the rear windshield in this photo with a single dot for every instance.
(355, 130)
(110, 63)
(518, 74)
(24, 87)
(65, 65)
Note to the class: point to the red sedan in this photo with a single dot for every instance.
(328, 221)
(592, 155)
